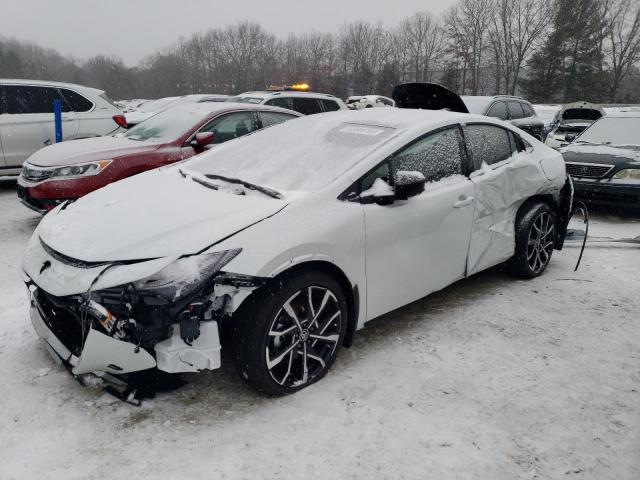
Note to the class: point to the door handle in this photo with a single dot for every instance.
(463, 202)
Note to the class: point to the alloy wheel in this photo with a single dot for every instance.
(540, 242)
(303, 336)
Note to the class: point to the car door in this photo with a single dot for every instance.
(28, 124)
(225, 127)
(419, 245)
(497, 173)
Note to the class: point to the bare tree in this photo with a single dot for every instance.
(515, 30)
(467, 24)
(423, 39)
(623, 24)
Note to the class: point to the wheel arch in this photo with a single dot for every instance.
(351, 292)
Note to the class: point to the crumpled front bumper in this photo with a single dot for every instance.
(100, 353)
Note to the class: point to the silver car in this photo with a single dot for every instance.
(27, 119)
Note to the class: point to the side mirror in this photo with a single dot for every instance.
(570, 137)
(409, 184)
(202, 139)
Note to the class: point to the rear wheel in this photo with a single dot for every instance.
(535, 237)
(288, 336)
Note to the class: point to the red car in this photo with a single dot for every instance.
(69, 170)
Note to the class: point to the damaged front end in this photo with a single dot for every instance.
(166, 322)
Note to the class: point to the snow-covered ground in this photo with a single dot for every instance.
(491, 378)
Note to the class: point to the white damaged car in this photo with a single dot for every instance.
(289, 241)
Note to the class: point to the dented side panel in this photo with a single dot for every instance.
(500, 190)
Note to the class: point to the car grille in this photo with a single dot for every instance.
(36, 174)
(588, 170)
(64, 320)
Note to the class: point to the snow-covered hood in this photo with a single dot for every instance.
(155, 214)
(86, 150)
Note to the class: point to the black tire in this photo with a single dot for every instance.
(264, 329)
(535, 238)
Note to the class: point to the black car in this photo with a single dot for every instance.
(430, 96)
(514, 110)
(604, 161)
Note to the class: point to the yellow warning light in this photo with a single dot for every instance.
(300, 87)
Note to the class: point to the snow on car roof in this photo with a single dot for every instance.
(309, 153)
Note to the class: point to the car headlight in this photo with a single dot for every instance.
(83, 170)
(182, 277)
(628, 174)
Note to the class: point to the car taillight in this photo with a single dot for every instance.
(121, 121)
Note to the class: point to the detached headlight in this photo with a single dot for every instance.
(628, 174)
(183, 276)
(84, 170)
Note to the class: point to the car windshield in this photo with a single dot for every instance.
(476, 105)
(613, 131)
(303, 155)
(245, 99)
(168, 125)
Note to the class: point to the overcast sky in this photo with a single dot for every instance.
(135, 28)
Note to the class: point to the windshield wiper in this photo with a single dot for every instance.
(267, 191)
(199, 180)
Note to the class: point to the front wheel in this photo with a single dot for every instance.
(535, 238)
(288, 336)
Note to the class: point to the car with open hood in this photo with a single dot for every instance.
(571, 120)
(288, 242)
(69, 170)
(604, 161)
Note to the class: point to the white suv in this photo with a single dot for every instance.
(302, 102)
(27, 120)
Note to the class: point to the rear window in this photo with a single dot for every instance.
(273, 118)
(75, 101)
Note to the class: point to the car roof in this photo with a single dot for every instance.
(46, 83)
(220, 107)
(288, 93)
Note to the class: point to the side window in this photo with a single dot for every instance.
(273, 118)
(230, 126)
(279, 102)
(436, 156)
(306, 106)
(21, 99)
(488, 143)
(528, 111)
(330, 105)
(515, 110)
(498, 110)
(76, 102)
(382, 172)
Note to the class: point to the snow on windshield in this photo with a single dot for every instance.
(168, 125)
(153, 106)
(300, 155)
(613, 131)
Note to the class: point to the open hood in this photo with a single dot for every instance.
(88, 150)
(155, 214)
(579, 111)
(427, 96)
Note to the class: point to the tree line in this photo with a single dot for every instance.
(549, 51)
